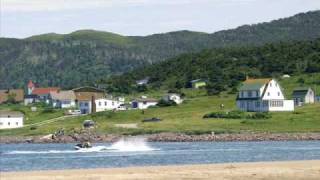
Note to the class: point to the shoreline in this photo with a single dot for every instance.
(284, 170)
(164, 137)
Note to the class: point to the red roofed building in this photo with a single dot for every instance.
(42, 93)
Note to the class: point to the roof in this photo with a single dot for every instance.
(11, 114)
(254, 84)
(87, 96)
(63, 95)
(41, 91)
(197, 80)
(19, 94)
(30, 84)
(301, 91)
(146, 100)
(87, 89)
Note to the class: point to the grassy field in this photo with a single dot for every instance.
(185, 118)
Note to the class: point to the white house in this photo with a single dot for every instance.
(173, 97)
(143, 103)
(104, 104)
(11, 119)
(303, 96)
(262, 95)
(63, 99)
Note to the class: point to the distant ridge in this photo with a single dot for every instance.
(86, 56)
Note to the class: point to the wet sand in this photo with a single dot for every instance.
(287, 170)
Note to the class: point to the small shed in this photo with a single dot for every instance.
(11, 119)
(198, 83)
(303, 95)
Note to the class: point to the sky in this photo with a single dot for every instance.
(24, 18)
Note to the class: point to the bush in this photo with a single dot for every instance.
(163, 103)
(225, 115)
(260, 115)
(48, 110)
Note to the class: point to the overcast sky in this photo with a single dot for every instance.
(23, 18)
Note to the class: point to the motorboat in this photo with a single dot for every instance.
(85, 145)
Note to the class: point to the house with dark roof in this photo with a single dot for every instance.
(303, 95)
(262, 95)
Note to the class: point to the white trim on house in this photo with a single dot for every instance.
(263, 97)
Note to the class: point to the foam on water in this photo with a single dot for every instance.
(131, 144)
(123, 145)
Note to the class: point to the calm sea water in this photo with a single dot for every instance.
(26, 157)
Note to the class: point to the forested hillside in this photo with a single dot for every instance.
(225, 68)
(84, 57)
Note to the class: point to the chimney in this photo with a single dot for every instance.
(93, 104)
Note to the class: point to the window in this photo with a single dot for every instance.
(8, 123)
(265, 104)
(112, 103)
(86, 104)
(278, 93)
(17, 123)
(144, 102)
(1, 123)
(242, 94)
(257, 93)
(270, 84)
(257, 103)
(268, 93)
(249, 93)
(99, 103)
(242, 104)
(105, 103)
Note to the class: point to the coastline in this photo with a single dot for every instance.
(284, 170)
(164, 137)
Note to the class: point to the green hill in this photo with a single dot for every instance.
(225, 68)
(86, 56)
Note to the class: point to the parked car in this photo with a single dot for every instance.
(154, 119)
(73, 112)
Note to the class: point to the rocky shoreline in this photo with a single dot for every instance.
(164, 137)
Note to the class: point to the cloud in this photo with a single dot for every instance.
(58, 5)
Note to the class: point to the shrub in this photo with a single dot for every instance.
(163, 103)
(225, 115)
(260, 115)
(48, 110)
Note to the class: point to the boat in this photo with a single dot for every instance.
(85, 145)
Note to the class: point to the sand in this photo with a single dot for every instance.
(288, 170)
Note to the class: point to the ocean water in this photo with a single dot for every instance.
(136, 152)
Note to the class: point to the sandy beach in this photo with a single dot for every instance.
(287, 170)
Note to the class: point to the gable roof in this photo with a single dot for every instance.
(146, 100)
(41, 91)
(197, 80)
(63, 95)
(30, 84)
(87, 96)
(6, 114)
(254, 84)
(301, 91)
(87, 89)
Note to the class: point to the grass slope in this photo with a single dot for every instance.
(186, 118)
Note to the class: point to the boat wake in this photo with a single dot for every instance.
(123, 145)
